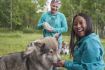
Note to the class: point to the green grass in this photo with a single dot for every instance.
(15, 42)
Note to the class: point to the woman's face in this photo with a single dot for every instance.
(80, 26)
(54, 8)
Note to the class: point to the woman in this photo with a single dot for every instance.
(85, 46)
(53, 23)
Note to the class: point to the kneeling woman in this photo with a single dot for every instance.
(85, 46)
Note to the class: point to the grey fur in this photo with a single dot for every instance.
(36, 57)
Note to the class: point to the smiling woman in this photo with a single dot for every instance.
(85, 46)
(79, 26)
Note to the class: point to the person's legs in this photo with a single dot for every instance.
(54, 68)
(59, 50)
(59, 47)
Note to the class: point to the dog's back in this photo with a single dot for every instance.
(14, 61)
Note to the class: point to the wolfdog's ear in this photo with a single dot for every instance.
(38, 44)
(44, 49)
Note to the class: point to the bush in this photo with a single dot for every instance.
(28, 30)
(5, 30)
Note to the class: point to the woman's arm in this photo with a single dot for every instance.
(41, 21)
(64, 26)
(91, 57)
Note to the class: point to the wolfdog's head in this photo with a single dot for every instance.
(43, 51)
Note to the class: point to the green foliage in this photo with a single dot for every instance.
(94, 8)
(18, 14)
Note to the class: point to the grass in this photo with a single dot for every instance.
(11, 42)
(15, 42)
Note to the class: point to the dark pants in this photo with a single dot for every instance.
(54, 68)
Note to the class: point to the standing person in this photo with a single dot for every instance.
(85, 46)
(53, 23)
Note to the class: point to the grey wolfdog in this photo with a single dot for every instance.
(38, 56)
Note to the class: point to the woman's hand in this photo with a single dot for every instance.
(50, 30)
(59, 63)
(47, 27)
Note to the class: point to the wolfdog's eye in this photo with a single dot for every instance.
(51, 51)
